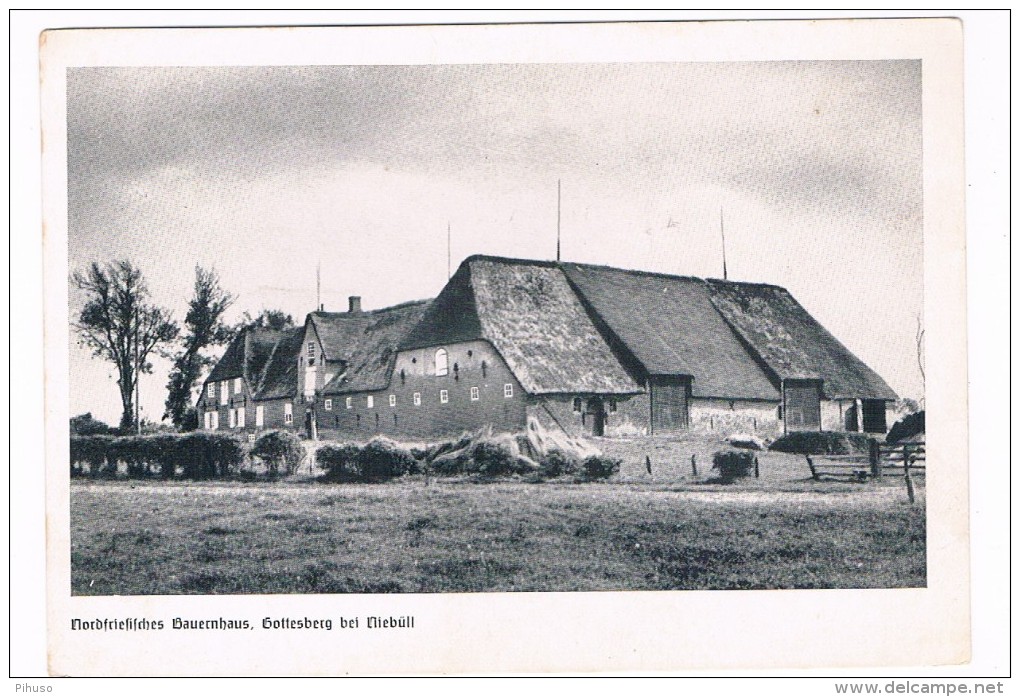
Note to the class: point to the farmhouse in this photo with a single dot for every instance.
(581, 348)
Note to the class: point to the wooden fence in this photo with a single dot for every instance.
(882, 457)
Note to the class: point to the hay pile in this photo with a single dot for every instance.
(488, 453)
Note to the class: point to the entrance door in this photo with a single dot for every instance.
(669, 404)
(874, 415)
(597, 412)
(803, 405)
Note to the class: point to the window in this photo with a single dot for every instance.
(393, 400)
(612, 405)
(508, 390)
(215, 421)
(288, 413)
(417, 399)
(328, 405)
(577, 405)
(474, 394)
(233, 418)
(237, 385)
(441, 364)
(311, 350)
(444, 396)
(208, 420)
(251, 437)
(370, 401)
(349, 402)
(224, 391)
(212, 390)
(260, 416)
(240, 417)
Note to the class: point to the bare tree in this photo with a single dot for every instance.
(120, 325)
(919, 340)
(204, 328)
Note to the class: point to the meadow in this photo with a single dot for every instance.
(667, 530)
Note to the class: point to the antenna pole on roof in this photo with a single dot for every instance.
(558, 202)
(318, 285)
(448, 254)
(722, 231)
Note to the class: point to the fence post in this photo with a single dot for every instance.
(694, 465)
(875, 457)
(910, 483)
(756, 475)
(811, 466)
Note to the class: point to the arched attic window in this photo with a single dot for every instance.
(441, 362)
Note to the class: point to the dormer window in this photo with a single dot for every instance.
(441, 363)
(311, 350)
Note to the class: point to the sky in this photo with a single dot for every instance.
(813, 170)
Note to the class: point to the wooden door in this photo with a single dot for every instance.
(597, 411)
(874, 415)
(803, 405)
(669, 405)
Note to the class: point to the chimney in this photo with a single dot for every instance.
(355, 303)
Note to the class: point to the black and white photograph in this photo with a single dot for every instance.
(395, 322)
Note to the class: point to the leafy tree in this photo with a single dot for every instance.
(86, 425)
(204, 328)
(267, 319)
(120, 325)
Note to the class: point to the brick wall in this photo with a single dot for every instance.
(415, 372)
(273, 410)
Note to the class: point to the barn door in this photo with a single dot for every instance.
(803, 405)
(597, 411)
(669, 405)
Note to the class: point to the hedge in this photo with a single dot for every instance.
(822, 443)
(378, 460)
(201, 455)
(732, 464)
(279, 449)
(906, 428)
(600, 467)
(556, 463)
(340, 462)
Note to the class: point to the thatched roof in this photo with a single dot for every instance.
(246, 356)
(792, 343)
(670, 326)
(371, 348)
(338, 332)
(231, 365)
(279, 377)
(532, 317)
(576, 328)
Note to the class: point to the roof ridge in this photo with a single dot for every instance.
(368, 313)
(606, 267)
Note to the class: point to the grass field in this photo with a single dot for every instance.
(667, 530)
